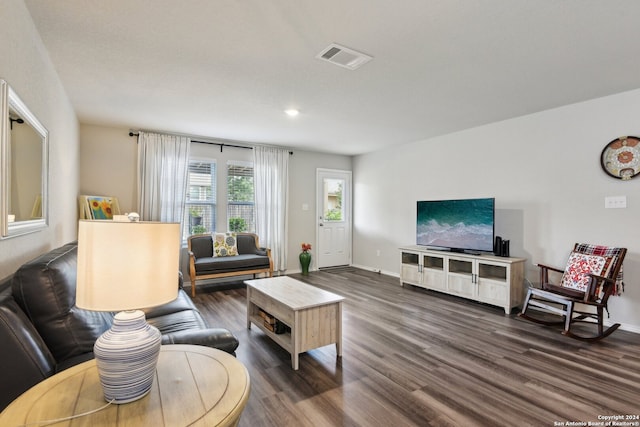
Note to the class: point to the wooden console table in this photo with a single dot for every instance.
(193, 385)
(313, 314)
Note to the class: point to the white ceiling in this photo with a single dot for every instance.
(228, 68)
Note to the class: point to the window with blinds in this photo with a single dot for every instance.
(240, 200)
(200, 212)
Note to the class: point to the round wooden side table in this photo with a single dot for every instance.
(193, 385)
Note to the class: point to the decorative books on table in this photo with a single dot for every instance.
(273, 324)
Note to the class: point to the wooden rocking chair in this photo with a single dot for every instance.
(593, 273)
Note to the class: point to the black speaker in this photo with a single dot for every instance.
(505, 248)
(497, 246)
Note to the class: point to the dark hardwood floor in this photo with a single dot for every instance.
(417, 358)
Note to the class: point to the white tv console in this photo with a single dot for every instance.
(485, 278)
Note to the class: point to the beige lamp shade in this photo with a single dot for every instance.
(127, 265)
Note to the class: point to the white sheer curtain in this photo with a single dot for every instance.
(163, 162)
(271, 185)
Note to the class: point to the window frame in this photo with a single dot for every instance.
(210, 204)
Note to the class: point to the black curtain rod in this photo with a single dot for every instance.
(222, 145)
(210, 143)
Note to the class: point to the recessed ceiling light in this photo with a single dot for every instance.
(292, 112)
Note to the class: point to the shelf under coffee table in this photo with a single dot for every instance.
(313, 315)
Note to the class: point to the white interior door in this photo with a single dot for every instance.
(333, 192)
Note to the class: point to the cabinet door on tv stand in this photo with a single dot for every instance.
(410, 269)
(433, 275)
(493, 283)
(460, 277)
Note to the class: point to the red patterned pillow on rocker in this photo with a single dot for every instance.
(579, 266)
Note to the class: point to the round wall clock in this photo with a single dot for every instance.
(621, 157)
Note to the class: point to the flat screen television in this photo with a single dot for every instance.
(465, 225)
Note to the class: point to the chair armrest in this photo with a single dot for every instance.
(544, 273)
(270, 261)
(180, 280)
(595, 283)
(546, 267)
(607, 280)
(192, 272)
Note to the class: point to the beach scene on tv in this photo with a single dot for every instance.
(456, 224)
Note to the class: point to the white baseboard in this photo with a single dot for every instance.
(629, 328)
(376, 270)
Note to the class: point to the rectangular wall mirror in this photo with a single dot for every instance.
(24, 167)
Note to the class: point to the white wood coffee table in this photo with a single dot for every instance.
(314, 315)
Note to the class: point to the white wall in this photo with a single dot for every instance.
(25, 65)
(544, 171)
(108, 158)
(302, 190)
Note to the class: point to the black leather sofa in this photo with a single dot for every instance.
(43, 332)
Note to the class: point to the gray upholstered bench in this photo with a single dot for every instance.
(250, 258)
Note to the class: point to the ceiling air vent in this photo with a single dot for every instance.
(344, 57)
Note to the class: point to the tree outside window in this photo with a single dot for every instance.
(240, 197)
(333, 199)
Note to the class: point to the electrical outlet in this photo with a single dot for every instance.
(615, 202)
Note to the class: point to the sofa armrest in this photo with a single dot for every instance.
(218, 338)
(25, 358)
